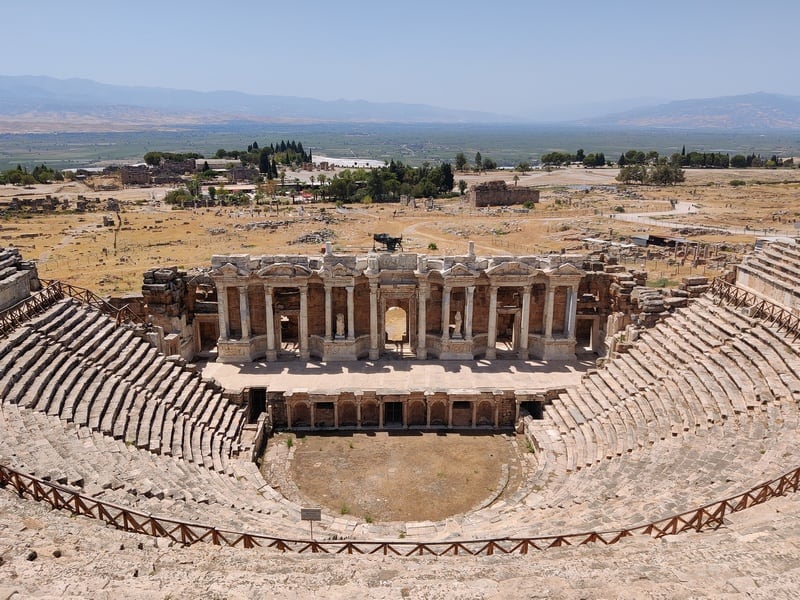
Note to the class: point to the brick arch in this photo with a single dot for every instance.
(370, 414)
(348, 416)
(485, 414)
(439, 413)
(417, 414)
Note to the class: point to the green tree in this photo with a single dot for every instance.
(478, 162)
(738, 161)
(523, 167)
(632, 173)
(461, 161)
(263, 162)
(153, 158)
(462, 186)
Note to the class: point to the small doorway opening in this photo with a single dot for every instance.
(392, 414)
(462, 413)
(257, 404)
(324, 415)
(534, 408)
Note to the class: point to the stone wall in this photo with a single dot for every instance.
(497, 193)
(18, 278)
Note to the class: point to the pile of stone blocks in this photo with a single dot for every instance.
(163, 291)
(695, 285)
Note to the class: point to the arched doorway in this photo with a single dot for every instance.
(396, 335)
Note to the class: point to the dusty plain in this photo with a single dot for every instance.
(575, 203)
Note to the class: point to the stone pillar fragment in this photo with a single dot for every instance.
(491, 342)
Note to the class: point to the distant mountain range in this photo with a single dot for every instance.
(46, 104)
(749, 112)
(42, 103)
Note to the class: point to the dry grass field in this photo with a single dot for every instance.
(575, 203)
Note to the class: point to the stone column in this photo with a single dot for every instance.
(380, 414)
(351, 313)
(288, 415)
(244, 312)
(304, 323)
(449, 414)
(571, 311)
(271, 353)
(374, 351)
(222, 311)
(474, 414)
(313, 414)
(468, 312)
(445, 313)
(549, 302)
(358, 413)
(328, 313)
(525, 324)
(428, 411)
(336, 414)
(491, 341)
(422, 324)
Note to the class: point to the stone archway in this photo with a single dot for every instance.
(485, 414)
(439, 414)
(395, 327)
(370, 414)
(348, 416)
(417, 416)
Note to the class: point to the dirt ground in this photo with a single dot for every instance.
(401, 476)
(575, 203)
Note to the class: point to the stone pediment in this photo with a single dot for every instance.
(284, 270)
(459, 270)
(567, 269)
(511, 268)
(338, 270)
(227, 270)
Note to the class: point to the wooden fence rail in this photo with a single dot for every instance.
(15, 315)
(760, 308)
(53, 292)
(710, 516)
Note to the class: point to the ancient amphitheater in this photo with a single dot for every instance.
(667, 471)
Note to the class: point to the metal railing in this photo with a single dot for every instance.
(760, 308)
(709, 516)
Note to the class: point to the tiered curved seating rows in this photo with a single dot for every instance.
(777, 264)
(72, 362)
(703, 407)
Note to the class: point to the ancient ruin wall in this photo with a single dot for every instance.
(497, 193)
(18, 278)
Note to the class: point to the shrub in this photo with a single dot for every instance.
(738, 182)
(433, 246)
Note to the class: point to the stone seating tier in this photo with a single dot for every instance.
(55, 364)
(718, 414)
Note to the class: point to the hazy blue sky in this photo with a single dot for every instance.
(525, 58)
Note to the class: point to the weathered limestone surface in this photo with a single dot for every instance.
(18, 278)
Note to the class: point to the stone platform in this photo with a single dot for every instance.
(399, 376)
